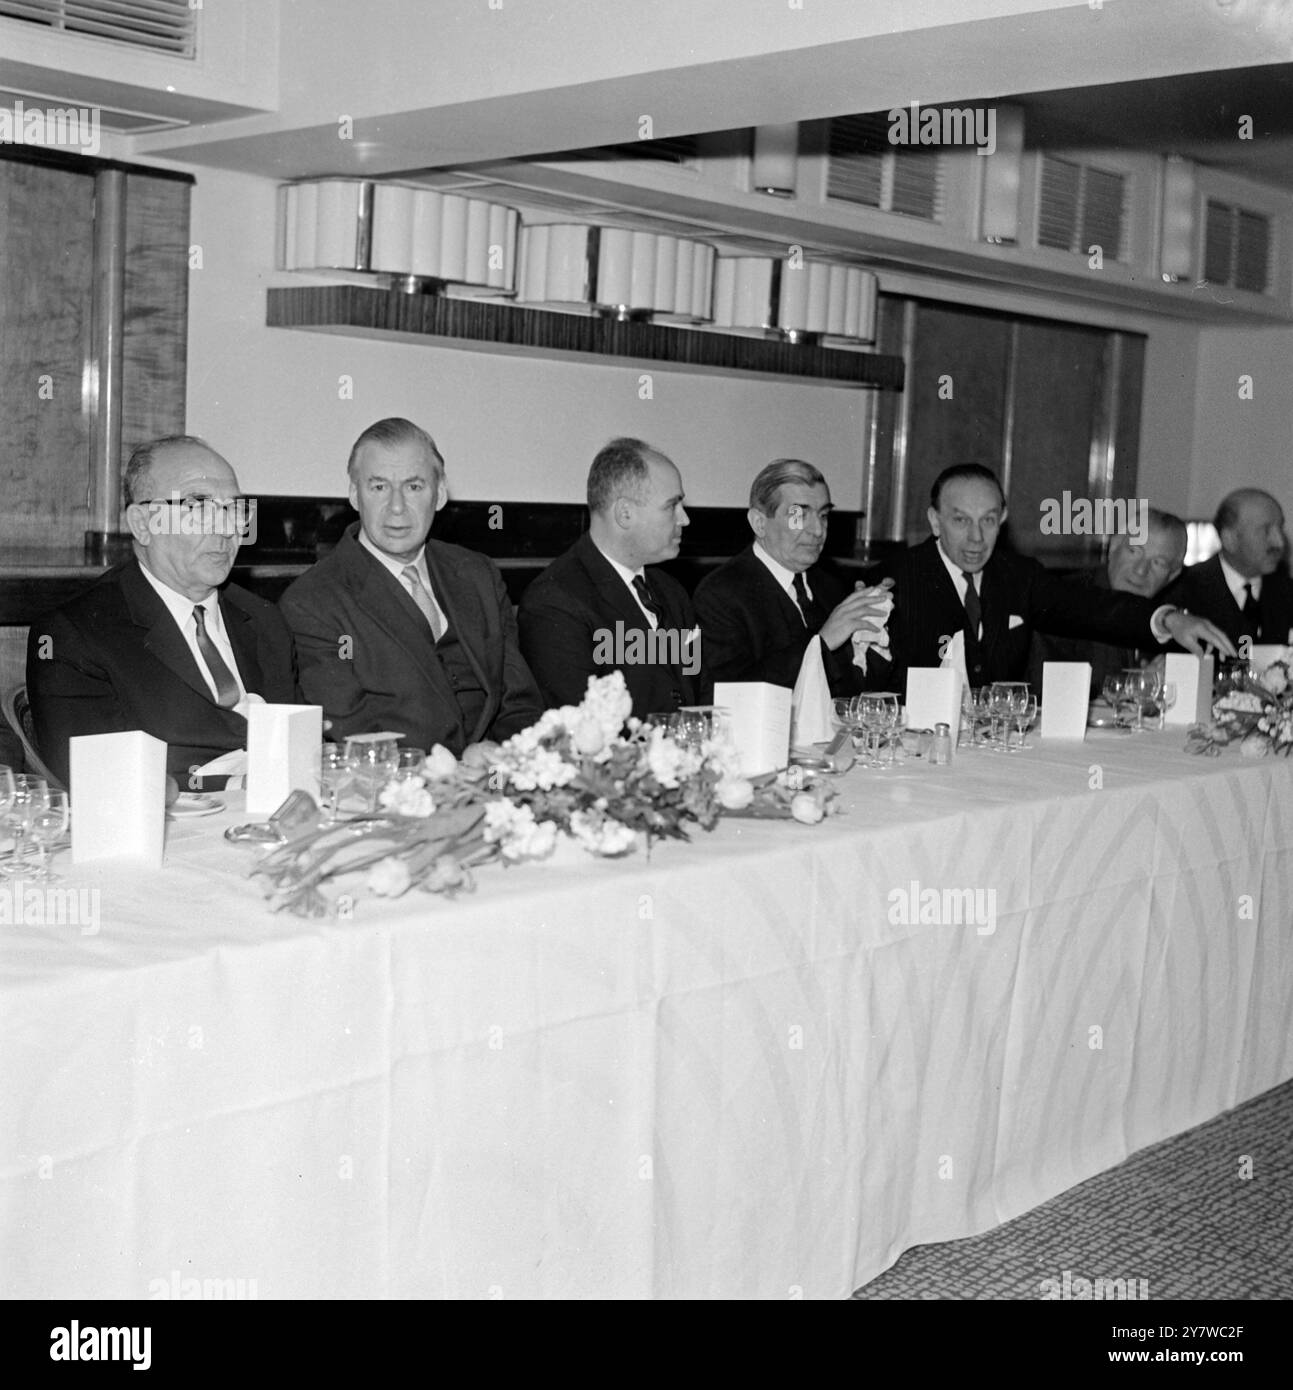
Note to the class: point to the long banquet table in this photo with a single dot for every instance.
(731, 1071)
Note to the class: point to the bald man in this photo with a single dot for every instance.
(1244, 589)
(162, 643)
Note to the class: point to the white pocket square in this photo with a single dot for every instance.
(1015, 621)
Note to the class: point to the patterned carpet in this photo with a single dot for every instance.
(1177, 1215)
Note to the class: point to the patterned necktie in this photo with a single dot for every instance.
(802, 599)
(649, 600)
(226, 686)
(1250, 613)
(973, 608)
(419, 595)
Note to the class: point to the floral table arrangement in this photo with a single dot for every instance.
(1253, 711)
(586, 774)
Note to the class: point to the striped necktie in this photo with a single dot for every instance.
(226, 686)
(418, 593)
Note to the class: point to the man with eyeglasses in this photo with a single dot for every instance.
(1145, 567)
(161, 642)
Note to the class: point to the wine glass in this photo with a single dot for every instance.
(1024, 715)
(1000, 706)
(336, 774)
(27, 795)
(693, 728)
(875, 714)
(49, 821)
(1114, 690)
(371, 761)
(1140, 684)
(1166, 699)
(409, 763)
(973, 709)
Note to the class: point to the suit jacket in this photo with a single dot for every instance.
(114, 659)
(367, 656)
(1203, 590)
(1106, 658)
(578, 619)
(927, 611)
(752, 630)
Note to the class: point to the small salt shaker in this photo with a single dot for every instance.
(940, 754)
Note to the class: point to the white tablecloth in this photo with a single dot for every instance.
(726, 1072)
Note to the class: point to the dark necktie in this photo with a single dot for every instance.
(1250, 614)
(973, 608)
(226, 686)
(801, 598)
(649, 600)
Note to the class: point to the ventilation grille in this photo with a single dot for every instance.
(863, 167)
(1082, 206)
(1237, 248)
(164, 26)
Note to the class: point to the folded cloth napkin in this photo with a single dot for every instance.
(955, 657)
(876, 637)
(811, 712)
(232, 765)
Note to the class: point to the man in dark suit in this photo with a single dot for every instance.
(759, 611)
(1144, 566)
(397, 632)
(957, 581)
(161, 643)
(603, 606)
(1242, 589)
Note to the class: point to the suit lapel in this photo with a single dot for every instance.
(164, 641)
(242, 638)
(462, 609)
(994, 599)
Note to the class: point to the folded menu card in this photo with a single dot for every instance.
(760, 716)
(812, 718)
(283, 743)
(1192, 676)
(118, 795)
(1066, 692)
(934, 697)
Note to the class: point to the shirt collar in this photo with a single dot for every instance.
(1235, 582)
(181, 607)
(397, 567)
(957, 574)
(783, 576)
(625, 573)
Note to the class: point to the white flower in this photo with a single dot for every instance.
(665, 758)
(588, 736)
(518, 834)
(1255, 745)
(734, 793)
(408, 797)
(441, 762)
(1275, 678)
(601, 835)
(389, 877)
(1244, 701)
(805, 807)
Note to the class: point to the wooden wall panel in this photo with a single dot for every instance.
(47, 252)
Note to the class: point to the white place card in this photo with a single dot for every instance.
(117, 793)
(1066, 695)
(934, 697)
(760, 721)
(812, 715)
(283, 743)
(1192, 676)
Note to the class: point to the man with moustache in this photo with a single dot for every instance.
(958, 581)
(1132, 567)
(162, 643)
(759, 611)
(396, 632)
(603, 605)
(1242, 589)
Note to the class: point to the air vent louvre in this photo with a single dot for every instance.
(164, 26)
(863, 167)
(1081, 206)
(1237, 248)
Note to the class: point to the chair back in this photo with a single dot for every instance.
(17, 713)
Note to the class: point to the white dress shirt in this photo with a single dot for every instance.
(1235, 583)
(958, 578)
(783, 576)
(628, 576)
(181, 609)
(397, 568)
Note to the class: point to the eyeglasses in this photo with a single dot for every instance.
(200, 515)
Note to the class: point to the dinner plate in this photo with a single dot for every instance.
(189, 804)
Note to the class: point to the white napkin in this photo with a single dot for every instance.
(955, 656)
(873, 640)
(811, 712)
(232, 765)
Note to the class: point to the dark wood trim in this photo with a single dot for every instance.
(86, 163)
(490, 326)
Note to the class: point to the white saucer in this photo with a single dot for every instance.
(190, 804)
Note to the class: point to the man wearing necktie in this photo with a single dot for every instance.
(604, 605)
(398, 632)
(760, 609)
(1244, 589)
(959, 581)
(162, 643)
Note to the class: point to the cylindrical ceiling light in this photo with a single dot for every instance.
(417, 238)
(1003, 178)
(774, 163)
(610, 270)
(1178, 236)
(799, 301)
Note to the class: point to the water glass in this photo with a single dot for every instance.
(1140, 685)
(1166, 699)
(336, 776)
(371, 762)
(26, 796)
(1114, 690)
(1024, 715)
(49, 822)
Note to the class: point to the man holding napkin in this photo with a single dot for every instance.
(759, 611)
(162, 643)
(956, 587)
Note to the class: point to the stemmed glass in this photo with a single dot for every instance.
(1114, 690)
(49, 822)
(1166, 699)
(6, 790)
(409, 763)
(371, 762)
(336, 774)
(876, 714)
(1141, 684)
(972, 711)
(26, 797)
(1000, 705)
(1024, 715)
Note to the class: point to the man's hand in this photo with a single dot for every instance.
(1193, 633)
(865, 609)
